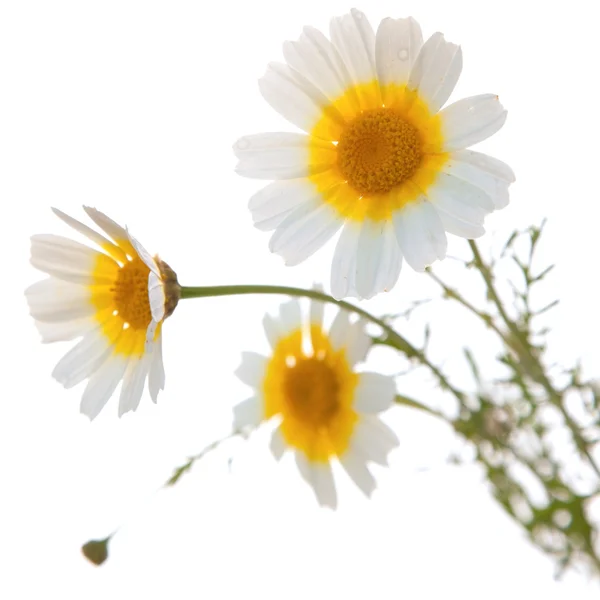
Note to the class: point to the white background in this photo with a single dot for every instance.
(132, 107)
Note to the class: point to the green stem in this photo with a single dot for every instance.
(392, 337)
(240, 290)
(537, 373)
(453, 294)
(402, 400)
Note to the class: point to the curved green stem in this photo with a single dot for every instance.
(238, 290)
(392, 337)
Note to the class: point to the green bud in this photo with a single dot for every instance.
(96, 551)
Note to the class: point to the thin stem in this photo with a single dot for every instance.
(524, 346)
(487, 319)
(239, 290)
(402, 400)
(196, 457)
(392, 337)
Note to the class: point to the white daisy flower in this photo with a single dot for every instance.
(326, 410)
(115, 301)
(382, 160)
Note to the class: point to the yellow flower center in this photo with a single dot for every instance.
(375, 149)
(131, 294)
(378, 151)
(120, 295)
(311, 391)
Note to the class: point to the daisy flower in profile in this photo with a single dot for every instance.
(115, 300)
(324, 408)
(380, 159)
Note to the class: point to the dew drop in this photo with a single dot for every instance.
(403, 54)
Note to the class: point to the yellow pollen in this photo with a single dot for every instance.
(311, 390)
(378, 151)
(131, 294)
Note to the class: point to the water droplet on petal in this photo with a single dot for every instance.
(403, 54)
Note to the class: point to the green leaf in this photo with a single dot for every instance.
(178, 473)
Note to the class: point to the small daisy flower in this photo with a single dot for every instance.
(381, 159)
(115, 301)
(324, 408)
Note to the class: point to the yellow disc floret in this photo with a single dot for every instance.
(378, 151)
(386, 148)
(131, 294)
(313, 393)
(311, 390)
(121, 298)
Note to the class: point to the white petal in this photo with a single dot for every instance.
(156, 375)
(471, 120)
(94, 236)
(276, 156)
(390, 264)
(65, 331)
(487, 164)
(292, 96)
(358, 343)
(369, 255)
(356, 467)
(343, 266)
(320, 477)
(252, 369)
(306, 229)
(460, 199)
(397, 45)
(456, 226)
(133, 383)
(102, 385)
(150, 335)
(144, 255)
(379, 259)
(338, 332)
(248, 413)
(54, 300)
(290, 316)
(374, 393)
(273, 330)
(373, 439)
(436, 71)
(156, 296)
(354, 38)
(112, 229)
(315, 57)
(82, 360)
(277, 444)
(420, 234)
(66, 259)
(486, 172)
(273, 203)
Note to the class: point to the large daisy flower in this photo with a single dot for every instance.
(380, 159)
(114, 300)
(325, 409)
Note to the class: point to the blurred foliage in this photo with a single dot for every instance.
(536, 430)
